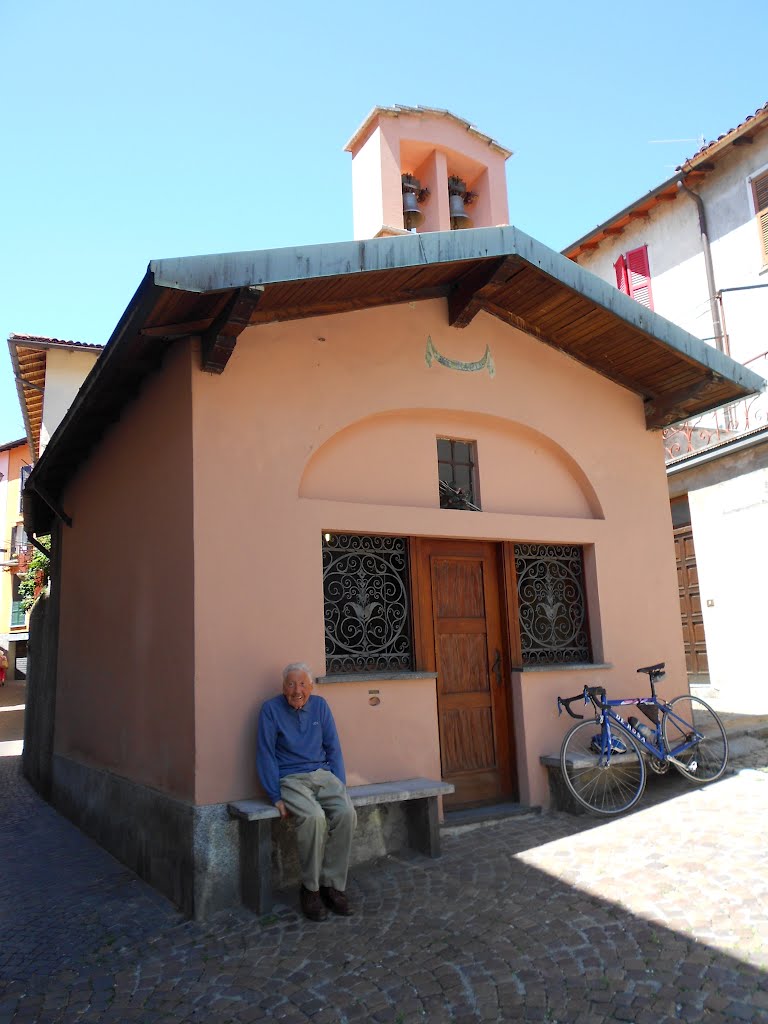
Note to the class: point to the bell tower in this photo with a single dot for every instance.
(422, 169)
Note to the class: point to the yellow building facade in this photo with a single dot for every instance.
(15, 551)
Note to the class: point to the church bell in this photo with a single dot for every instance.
(457, 200)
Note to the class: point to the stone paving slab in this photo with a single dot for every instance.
(657, 916)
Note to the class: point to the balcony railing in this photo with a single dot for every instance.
(720, 425)
(715, 427)
(16, 556)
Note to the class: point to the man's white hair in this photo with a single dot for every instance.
(298, 666)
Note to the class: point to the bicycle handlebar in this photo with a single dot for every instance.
(587, 694)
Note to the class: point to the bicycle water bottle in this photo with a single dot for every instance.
(648, 734)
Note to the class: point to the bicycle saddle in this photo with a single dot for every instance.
(653, 668)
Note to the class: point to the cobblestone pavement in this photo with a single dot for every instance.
(658, 916)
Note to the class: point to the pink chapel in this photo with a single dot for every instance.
(464, 516)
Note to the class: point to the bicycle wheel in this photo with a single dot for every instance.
(601, 788)
(705, 761)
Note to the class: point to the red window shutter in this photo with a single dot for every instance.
(639, 274)
(622, 281)
(760, 192)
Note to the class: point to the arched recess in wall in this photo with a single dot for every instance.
(390, 459)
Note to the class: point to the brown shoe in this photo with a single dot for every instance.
(312, 906)
(336, 900)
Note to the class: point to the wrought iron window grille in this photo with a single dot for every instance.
(552, 606)
(367, 607)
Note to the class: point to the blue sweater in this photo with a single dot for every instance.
(291, 741)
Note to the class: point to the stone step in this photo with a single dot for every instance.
(487, 815)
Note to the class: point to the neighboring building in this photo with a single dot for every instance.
(48, 374)
(428, 464)
(695, 249)
(15, 551)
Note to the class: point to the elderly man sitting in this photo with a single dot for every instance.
(302, 771)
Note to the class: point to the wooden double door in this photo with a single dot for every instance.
(690, 607)
(462, 635)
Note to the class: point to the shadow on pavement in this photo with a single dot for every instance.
(657, 916)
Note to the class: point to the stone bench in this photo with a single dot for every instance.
(418, 796)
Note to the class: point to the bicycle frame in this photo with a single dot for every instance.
(606, 715)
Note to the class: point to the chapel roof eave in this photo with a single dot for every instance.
(500, 271)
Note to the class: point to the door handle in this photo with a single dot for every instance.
(497, 667)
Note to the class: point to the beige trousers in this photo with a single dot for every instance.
(324, 821)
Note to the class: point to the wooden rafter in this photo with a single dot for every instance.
(662, 410)
(180, 330)
(529, 328)
(218, 342)
(467, 297)
(277, 314)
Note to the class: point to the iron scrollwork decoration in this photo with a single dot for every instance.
(552, 608)
(367, 614)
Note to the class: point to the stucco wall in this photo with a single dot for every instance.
(5, 540)
(329, 424)
(65, 371)
(732, 585)
(678, 277)
(11, 462)
(126, 654)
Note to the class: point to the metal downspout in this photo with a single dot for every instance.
(717, 325)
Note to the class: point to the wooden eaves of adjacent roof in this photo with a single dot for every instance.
(499, 270)
(28, 359)
(9, 445)
(691, 172)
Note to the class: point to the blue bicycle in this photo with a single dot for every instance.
(604, 761)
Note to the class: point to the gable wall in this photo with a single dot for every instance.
(329, 424)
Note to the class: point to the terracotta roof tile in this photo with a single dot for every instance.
(41, 340)
(708, 145)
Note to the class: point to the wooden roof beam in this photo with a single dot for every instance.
(467, 297)
(180, 330)
(665, 409)
(278, 314)
(218, 342)
(610, 372)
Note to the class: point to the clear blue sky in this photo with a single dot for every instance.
(151, 128)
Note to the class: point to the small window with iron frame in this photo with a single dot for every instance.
(457, 473)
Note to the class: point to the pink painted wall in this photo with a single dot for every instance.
(330, 424)
(432, 148)
(125, 697)
(406, 713)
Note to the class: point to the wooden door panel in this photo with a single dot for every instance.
(462, 662)
(467, 740)
(460, 611)
(458, 586)
(444, 626)
(691, 614)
